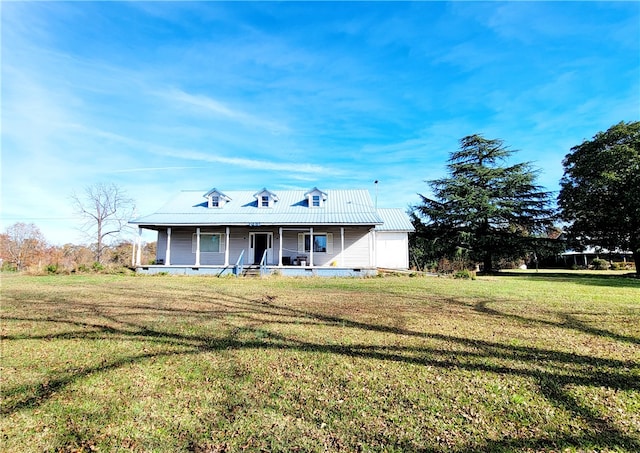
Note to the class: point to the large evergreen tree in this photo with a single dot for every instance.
(600, 190)
(487, 208)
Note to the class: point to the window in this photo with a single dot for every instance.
(216, 199)
(319, 243)
(265, 199)
(322, 243)
(209, 243)
(315, 198)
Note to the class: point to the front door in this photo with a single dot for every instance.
(260, 242)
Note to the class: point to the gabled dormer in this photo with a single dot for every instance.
(265, 198)
(316, 198)
(216, 199)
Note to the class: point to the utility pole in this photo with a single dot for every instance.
(376, 202)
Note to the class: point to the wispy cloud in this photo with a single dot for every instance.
(151, 169)
(254, 164)
(212, 106)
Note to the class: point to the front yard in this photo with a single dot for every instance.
(526, 362)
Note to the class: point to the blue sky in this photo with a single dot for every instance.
(158, 97)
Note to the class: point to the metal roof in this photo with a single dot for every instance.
(342, 207)
(394, 219)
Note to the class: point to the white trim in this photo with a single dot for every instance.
(167, 255)
(372, 247)
(311, 247)
(252, 249)
(315, 193)
(226, 246)
(271, 198)
(280, 246)
(139, 252)
(196, 241)
(302, 242)
(342, 246)
(198, 246)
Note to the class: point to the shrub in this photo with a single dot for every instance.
(83, 268)
(599, 264)
(446, 266)
(8, 267)
(52, 269)
(432, 266)
(465, 274)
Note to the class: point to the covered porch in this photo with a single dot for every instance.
(288, 250)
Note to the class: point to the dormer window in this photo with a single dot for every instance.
(265, 199)
(315, 198)
(216, 199)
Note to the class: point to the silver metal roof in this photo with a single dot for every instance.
(342, 207)
(394, 219)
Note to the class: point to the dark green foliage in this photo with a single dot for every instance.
(52, 269)
(599, 264)
(486, 209)
(600, 190)
(465, 274)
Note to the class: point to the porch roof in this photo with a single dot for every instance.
(394, 219)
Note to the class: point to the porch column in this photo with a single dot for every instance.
(226, 246)
(341, 246)
(167, 255)
(371, 245)
(374, 245)
(280, 247)
(311, 246)
(139, 251)
(133, 252)
(198, 247)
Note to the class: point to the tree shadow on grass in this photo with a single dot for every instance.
(628, 280)
(553, 371)
(569, 322)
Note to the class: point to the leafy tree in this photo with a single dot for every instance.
(105, 209)
(485, 210)
(22, 245)
(76, 256)
(121, 252)
(600, 190)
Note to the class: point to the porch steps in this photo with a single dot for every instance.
(251, 271)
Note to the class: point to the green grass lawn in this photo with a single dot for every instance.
(519, 362)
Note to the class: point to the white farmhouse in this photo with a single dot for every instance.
(294, 232)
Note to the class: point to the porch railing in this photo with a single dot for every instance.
(239, 266)
(263, 264)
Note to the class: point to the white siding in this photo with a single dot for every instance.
(161, 247)
(392, 250)
(356, 243)
(356, 247)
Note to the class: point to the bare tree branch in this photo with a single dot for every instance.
(105, 209)
(21, 244)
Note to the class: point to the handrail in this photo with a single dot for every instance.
(239, 266)
(263, 264)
